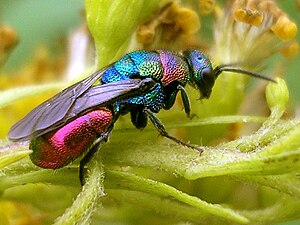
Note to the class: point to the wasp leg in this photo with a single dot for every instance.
(91, 152)
(184, 96)
(138, 118)
(185, 100)
(170, 100)
(162, 131)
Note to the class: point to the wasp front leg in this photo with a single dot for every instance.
(185, 100)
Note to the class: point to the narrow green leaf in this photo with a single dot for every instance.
(122, 180)
(12, 153)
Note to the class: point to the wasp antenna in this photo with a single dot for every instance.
(228, 65)
(222, 68)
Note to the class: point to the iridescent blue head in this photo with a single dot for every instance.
(202, 75)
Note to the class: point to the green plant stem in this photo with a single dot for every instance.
(88, 200)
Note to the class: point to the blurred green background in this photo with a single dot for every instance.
(39, 23)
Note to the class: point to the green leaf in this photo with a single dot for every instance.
(12, 153)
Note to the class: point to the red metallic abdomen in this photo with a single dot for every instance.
(58, 148)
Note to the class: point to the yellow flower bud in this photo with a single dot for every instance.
(277, 94)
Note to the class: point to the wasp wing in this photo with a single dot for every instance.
(102, 95)
(81, 96)
(107, 94)
(52, 110)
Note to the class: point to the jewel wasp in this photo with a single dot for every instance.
(140, 83)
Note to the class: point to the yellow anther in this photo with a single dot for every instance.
(240, 15)
(284, 28)
(170, 23)
(252, 17)
(188, 20)
(256, 20)
(206, 6)
(290, 50)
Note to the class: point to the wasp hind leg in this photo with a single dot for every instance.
(91, 152)
(162, 131)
